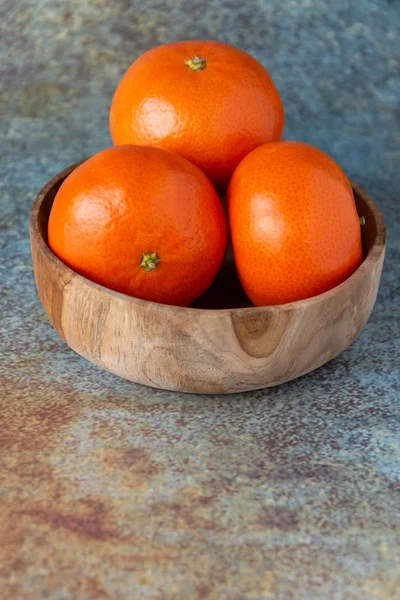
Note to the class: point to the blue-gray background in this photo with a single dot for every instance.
(112, 490)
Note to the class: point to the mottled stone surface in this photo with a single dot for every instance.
(115, 491)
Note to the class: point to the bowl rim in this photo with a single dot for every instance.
(373, 256)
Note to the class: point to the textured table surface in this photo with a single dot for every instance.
(112, 490)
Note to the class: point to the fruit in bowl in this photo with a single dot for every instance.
(294, 224)
(142, 221)
(207, 101)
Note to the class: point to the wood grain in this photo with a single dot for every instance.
(222, 344)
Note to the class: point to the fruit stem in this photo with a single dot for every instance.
(196, 63)
(150, 261)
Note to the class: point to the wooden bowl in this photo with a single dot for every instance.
(222, 344)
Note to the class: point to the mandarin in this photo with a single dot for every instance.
(142, 221)
(210, 102)
(294, 224)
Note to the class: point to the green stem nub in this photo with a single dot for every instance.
(150, 261)
(196, 63)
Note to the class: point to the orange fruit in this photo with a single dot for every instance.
(294, 224)
(210, 102)
(142, 221)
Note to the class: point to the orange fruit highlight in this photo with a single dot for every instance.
(294, 224)
(210, 102)
(142, 221)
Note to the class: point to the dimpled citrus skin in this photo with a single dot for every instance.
(294, 225)
(128, 201)
(213, 117)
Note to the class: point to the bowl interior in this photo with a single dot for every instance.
(226, 291)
